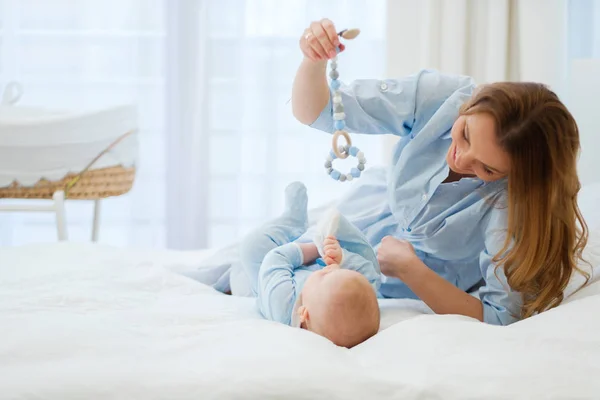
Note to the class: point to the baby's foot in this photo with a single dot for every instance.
(332, 250)
(296, 203)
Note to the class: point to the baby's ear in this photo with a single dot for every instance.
(302, 314)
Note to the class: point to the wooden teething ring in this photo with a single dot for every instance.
(334, 143)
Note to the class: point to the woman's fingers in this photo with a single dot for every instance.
(316, 40)
(332, 35)
(323, 44)
(306, 48)
(320, 40)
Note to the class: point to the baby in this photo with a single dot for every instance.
(333, 296)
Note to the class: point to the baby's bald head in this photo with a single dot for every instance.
(342, 306)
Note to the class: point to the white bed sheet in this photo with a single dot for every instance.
(84, 321)
(87, 322)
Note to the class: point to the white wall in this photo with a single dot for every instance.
(583, 102)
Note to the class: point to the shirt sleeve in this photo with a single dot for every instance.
(276, 286)
(501, 305)
(361, 265)
(393, 106)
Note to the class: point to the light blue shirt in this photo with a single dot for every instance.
(281, 278)
(456, 228)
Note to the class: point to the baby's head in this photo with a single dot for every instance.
(341, 305)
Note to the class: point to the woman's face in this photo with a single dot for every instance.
(475, 150)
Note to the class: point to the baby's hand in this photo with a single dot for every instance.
(332, 250)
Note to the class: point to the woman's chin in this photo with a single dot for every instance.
(457, 170)
(452, 166)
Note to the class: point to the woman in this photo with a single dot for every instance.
(482, 191)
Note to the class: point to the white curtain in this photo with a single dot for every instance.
(212, 80)
(455, 36)
(490, 40)
(233, 142)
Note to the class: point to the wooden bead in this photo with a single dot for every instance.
(350, 33)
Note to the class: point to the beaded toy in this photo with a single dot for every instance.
(339, 124)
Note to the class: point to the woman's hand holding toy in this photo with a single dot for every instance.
(320, 40)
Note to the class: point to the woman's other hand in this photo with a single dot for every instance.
(396, 257)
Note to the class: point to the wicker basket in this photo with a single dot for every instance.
(92, 184)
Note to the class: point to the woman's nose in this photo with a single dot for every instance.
(464, 160)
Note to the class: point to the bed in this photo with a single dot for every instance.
(89, 321)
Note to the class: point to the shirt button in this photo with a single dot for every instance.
(383, 86)
(424, 197)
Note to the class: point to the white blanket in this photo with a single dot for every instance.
(90, 322)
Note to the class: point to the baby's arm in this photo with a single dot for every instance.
(276, 287)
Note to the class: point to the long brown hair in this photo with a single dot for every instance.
(546, 231)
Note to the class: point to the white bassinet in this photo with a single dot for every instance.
(61, 154)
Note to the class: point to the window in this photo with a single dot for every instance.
(97, 53)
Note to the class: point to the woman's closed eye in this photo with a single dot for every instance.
(488, 171)
(465, 134)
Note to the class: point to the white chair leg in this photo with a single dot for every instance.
(59, 209)
(96, 223)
